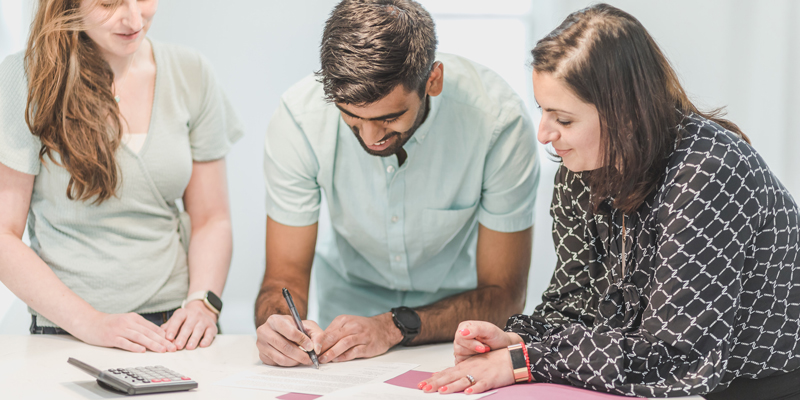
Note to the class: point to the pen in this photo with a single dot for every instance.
(299, 323)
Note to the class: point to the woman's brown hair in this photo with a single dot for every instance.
(70, 106)
(608, 59)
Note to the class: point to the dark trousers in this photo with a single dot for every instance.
(158, 318)
(780, 387)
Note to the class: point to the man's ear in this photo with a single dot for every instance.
(436, 80)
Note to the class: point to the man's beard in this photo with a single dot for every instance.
(402, 137)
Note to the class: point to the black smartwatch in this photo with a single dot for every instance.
(407, 320)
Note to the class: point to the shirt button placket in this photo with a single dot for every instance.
(395, 230)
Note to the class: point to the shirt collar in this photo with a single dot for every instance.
(423, 129)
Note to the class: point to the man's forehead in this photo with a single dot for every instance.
(398, 100)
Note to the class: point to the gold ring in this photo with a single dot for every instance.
(471, 379)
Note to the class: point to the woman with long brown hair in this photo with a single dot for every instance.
(101, 131)
(677, 246)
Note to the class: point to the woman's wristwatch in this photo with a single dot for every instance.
(211, 300)
(520, 362)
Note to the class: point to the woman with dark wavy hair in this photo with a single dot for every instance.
(677, 246)
(101, 131)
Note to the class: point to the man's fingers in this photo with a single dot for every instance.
(357, 351)
(268, 354)
(325, 340)
(344, 344)
(315, 333)
(276, 346)
(286, 327)
(282, 359)
(332, 335)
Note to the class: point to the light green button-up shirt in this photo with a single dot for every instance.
(403, 235)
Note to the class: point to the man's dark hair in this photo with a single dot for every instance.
(371, 46)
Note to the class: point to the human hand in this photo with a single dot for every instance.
(349, 337)
(191, 326)
(125, 331)
(478, 337)
(490, 370)
(279, 338)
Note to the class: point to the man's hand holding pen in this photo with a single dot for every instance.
(279, 338)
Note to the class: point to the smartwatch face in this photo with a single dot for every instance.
(214, 300)
(408, 318)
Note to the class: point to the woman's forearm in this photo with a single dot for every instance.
(210, 252)
(30, 279)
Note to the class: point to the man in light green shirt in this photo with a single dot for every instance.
(430, 179)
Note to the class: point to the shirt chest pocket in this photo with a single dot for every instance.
(442, 228)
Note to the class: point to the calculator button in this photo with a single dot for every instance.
(186, 378)
(166, 380)
(155, 380)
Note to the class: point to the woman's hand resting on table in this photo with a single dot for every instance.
(129, 331)
(192, 326)
(481, 351)
(479, 337)
(490, 370)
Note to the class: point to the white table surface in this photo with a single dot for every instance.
(35, 366)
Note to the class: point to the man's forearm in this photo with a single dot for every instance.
(270, 301)
(491, 303)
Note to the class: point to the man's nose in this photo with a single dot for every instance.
(371, 133)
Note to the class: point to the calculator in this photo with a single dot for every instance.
(142, 380)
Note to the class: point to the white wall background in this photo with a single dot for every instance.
(734, 53)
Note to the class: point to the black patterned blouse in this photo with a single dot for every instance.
(712, 287)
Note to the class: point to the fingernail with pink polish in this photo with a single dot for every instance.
(443, 389)
(421, 385)
(428, 388)
(464, 332)
(468, 391)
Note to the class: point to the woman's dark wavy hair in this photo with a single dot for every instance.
(608, 59)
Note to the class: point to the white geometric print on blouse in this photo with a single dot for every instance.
(712, 290)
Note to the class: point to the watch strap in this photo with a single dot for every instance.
(519, 363)
(201, 295)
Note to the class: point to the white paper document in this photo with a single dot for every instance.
(330, 377)
(385, 391)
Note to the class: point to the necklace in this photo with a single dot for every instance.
(124, 78)
(624, 253)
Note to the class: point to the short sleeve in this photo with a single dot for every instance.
(290, 172)
(19, 149)
(511, 175)
(215, 126)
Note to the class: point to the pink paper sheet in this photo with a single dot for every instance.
(527, 391)
(298, 396)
